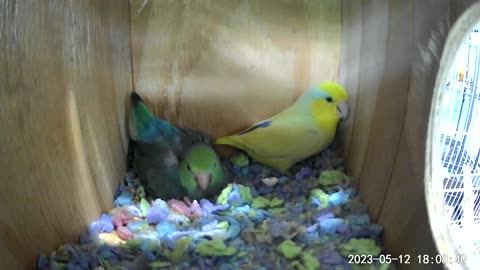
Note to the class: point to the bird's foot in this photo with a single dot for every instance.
(186, 208)
(187, 201)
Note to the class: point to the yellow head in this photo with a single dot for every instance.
(326, 99)
(334, 90)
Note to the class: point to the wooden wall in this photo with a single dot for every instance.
(65, 74)
(389, 60)
(221, 66)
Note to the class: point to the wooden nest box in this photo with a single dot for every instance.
(67, 69)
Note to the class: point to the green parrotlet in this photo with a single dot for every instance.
(171, 162)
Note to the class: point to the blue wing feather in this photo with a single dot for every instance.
(263, 124)
(157, 130)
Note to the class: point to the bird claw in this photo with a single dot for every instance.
(187, 201)
(190, 209)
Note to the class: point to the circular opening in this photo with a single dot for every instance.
(453, 146)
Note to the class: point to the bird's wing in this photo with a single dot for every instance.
(157, 167)
(281, 137)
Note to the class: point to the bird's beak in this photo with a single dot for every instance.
(342, 109)
(203, 180)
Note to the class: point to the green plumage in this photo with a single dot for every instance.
(201, 159)
(171, 162)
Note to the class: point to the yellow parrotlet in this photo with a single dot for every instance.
(300, 131)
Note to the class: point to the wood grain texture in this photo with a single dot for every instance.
(364, 58)
(385, 142)
(221, 66)
(387, 120)
(64, 78)
(408, 230)
(382, 82)
(350, 71)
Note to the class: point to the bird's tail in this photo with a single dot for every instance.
(144, 125)
(140, 112)
(140, 117)
(227, 140)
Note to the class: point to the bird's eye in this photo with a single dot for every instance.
(329, 99)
